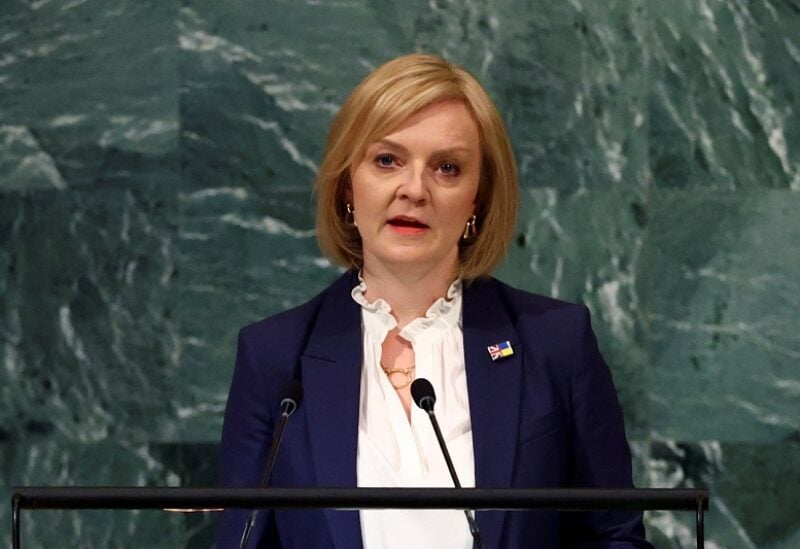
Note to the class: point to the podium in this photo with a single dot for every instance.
(217, 499)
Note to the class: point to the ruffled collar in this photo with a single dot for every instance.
(441, 317)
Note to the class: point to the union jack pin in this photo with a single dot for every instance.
(500, 350)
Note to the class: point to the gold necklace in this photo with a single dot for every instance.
(405, 371)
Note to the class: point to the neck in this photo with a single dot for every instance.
(409, 292)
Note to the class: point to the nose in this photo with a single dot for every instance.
(414, 186)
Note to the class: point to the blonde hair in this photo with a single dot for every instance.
(381, 103)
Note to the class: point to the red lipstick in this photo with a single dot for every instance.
(407, 225)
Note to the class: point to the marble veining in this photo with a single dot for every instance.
(156, 163)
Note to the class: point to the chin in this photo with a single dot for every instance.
(409, 257)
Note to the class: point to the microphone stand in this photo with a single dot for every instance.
(473, 527)
(424, 397)
(288, 406)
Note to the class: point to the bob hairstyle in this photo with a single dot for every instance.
(385, 99)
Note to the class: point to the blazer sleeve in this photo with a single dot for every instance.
(600, 455)
(246, 438)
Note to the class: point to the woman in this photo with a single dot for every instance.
(417, 197)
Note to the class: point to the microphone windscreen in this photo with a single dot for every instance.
(292, 393)
(422, 392)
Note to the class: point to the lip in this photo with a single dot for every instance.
(407, 225)
(406, 220)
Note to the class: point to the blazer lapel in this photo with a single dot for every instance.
(331, 373)
(494, 394)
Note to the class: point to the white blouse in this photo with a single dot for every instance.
(393, 451)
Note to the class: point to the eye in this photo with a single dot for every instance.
(449, 168)
(385, 160)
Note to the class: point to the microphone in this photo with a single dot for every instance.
(424, 396)
(292, 396)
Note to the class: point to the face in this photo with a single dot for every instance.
(414, 190)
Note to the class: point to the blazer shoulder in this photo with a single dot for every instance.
(522, 304)
(291, 328)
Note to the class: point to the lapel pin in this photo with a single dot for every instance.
(500, 350)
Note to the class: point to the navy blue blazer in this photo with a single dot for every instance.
(547, 416)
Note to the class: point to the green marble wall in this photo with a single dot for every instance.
(155, 166)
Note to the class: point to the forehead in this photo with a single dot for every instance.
(444, 124)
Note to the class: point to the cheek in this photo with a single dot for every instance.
(359, 190)
(466, 205)
(370, 199)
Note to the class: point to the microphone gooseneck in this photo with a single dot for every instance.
(292, 397)
(425, 397)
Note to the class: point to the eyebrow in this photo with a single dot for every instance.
(397, 146)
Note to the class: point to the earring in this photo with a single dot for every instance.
(470, 229)
(350, 216)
